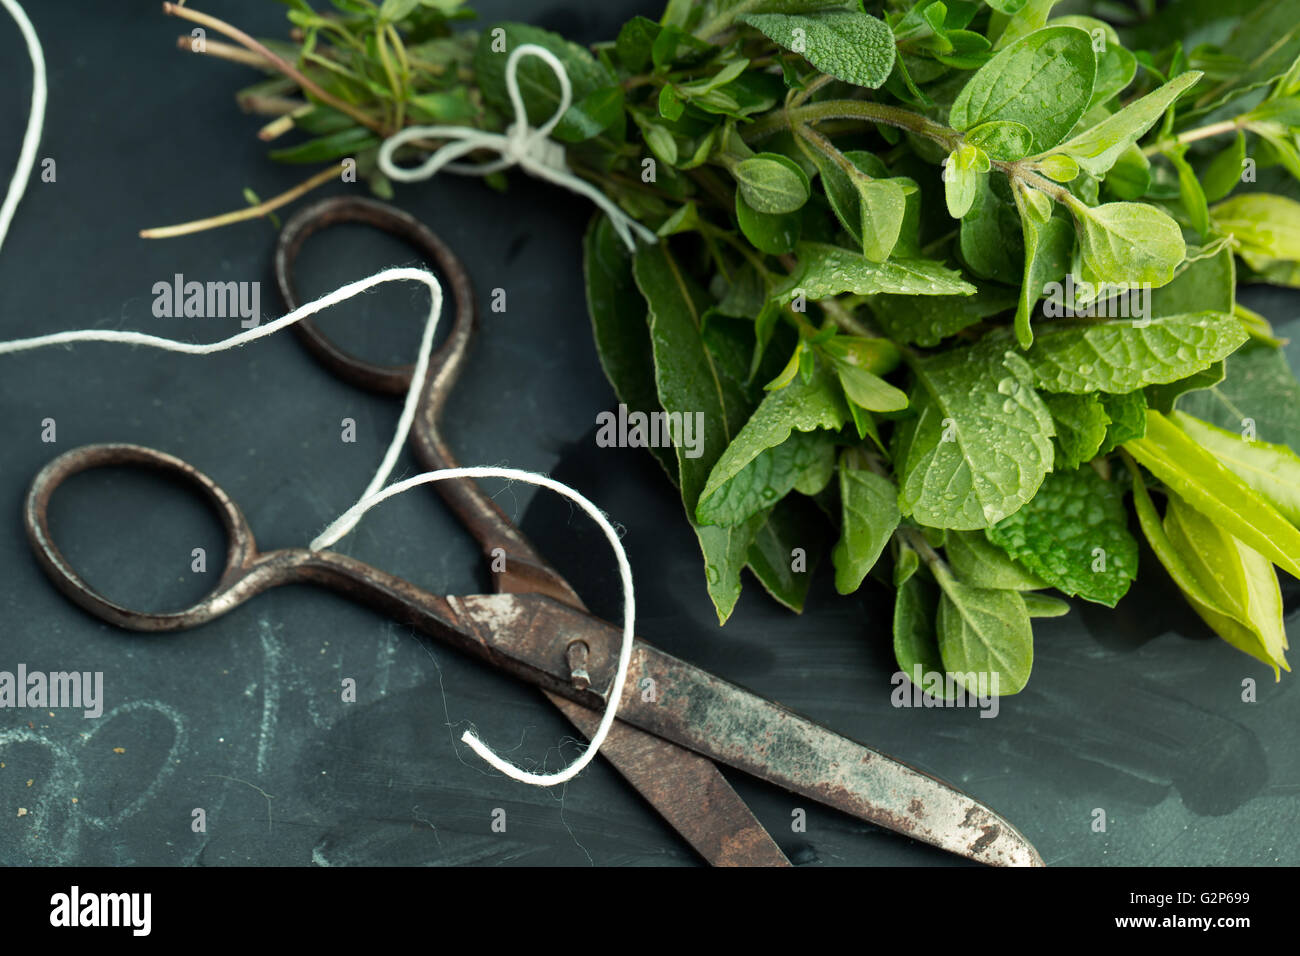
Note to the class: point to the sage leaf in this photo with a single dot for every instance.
(620, 325)
(979, 444)
(689, 382)
(1125, 354)
(1042, 81)
(851, 46)
(869, 515)
(984, 632)
(1074, 535)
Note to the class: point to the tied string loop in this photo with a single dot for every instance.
(527, 147)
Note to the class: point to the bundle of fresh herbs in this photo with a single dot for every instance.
(947, 281)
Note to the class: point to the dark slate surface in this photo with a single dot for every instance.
(1135, 711)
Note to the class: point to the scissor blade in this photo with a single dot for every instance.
(530, 636)
(745, 731)
(687, 790)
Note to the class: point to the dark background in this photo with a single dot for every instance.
(1135, 711)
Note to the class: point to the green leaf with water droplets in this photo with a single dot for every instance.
(1042, 81)
(979, 445)
(1126, 354)
(869, 515)
(826, 270)
(1074, 535)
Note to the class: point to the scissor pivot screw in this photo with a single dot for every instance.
(576, 653)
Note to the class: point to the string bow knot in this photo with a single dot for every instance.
(528, 147)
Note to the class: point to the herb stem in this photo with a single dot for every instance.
(277, 62)
(853, 110)
(1192, 135)
(252, 212)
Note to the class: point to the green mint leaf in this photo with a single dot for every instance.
(1074, 535)
(869, 511)
(798, 407)
(984, 631)
(1272, 470)
(851, 46)
(1081, 426)
(1163, 397)
(1201, 480)
(1030, 17)
(1206, 284)
(1042, 81)
(1096, 149)
(928, 320)
(979, 445)
(772, 184)
(726, 550)
(764, 480)
(1125, 354)
(620, 325)
(1128, 419)
(793, 526)
(1128, 242)
(1259, 397)
(980, 564)
(826, 270)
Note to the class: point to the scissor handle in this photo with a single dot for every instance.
(244, 574)
(526, 570)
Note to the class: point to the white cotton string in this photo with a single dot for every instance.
(520, 145)
(35, 119)
(353, 514)
(373, 493)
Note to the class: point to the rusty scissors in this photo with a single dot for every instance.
(536, 627)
